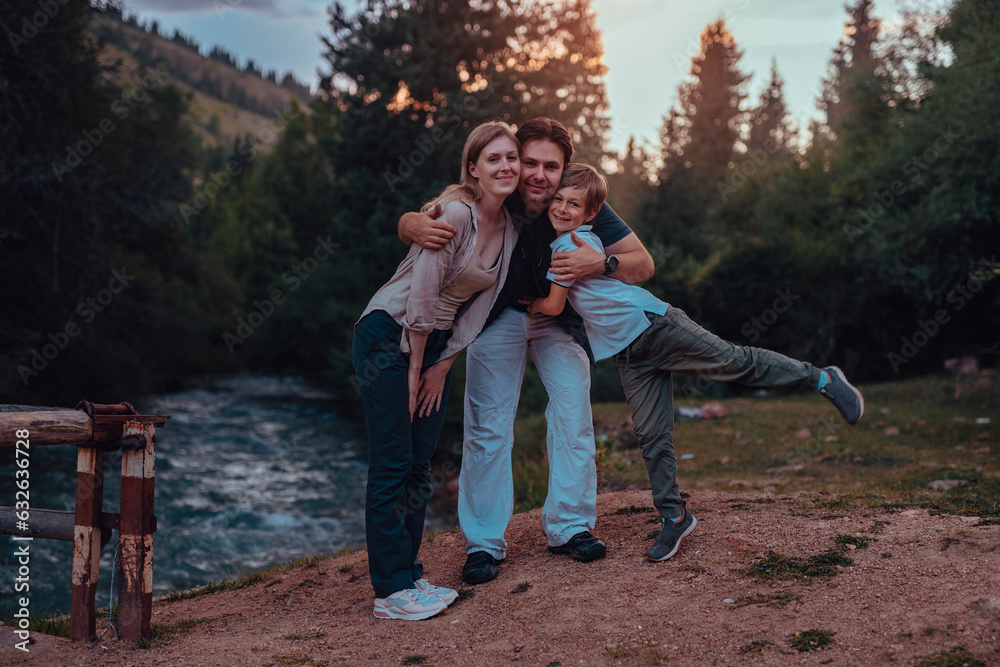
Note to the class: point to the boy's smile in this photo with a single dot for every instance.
(567, 210)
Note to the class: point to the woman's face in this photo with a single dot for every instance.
(498, 167)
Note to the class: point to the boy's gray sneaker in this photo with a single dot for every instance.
(844, 395)
(670, 537)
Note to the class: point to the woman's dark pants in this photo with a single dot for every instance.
(399, 469)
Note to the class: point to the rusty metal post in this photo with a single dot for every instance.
(86, 541)
(135, 536)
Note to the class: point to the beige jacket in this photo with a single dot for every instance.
(411, 295)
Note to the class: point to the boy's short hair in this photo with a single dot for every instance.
(592, 182)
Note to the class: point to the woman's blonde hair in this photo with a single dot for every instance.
(468, 187)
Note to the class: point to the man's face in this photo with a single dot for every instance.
(541, 168)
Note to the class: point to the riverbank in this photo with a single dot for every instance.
(900, 585)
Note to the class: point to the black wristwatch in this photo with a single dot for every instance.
(610, 264)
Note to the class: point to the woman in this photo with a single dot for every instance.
(409, 335)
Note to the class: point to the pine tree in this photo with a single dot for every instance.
(409, 79)
(92, 160)
(698, 143)
(629, 184)
(770, 130)
(708, 114)
(856, 96)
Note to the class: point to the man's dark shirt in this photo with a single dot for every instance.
(531, 258)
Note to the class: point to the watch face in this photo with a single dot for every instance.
(611, 263)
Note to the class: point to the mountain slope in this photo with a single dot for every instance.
(226, 102)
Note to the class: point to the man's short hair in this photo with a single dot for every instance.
(588, 179)
(549, 129)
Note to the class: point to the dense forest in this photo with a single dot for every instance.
(135, 258)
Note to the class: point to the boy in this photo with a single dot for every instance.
(649, 340)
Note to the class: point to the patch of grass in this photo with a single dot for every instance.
(980, 497)
(252, 578)
(431, 534)
(655, 519)
(652, 656)
(841, 459)
(216, 586)
(756, 646)
(859, 542)
(293, 659)
(466, 593)
(831, 557)
(777, 600)
(695, 567)
(632, 509)
(161, 632)
(521, 588)
(554, 663)
(811, 640)
(956, 657)
(344, 569)
(878, 527)
(947, 542)
(414, 659)
(776, 566)
(46, 622)
(619, 652)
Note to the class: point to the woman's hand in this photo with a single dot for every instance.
(413, 382)
(432, 388)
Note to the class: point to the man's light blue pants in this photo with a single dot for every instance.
(494, 371)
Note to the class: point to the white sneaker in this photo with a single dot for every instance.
(408, 604)
(446, 595)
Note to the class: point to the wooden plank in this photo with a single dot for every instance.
(53, 524)
(46, 427)
(86, 542)
(135, 537)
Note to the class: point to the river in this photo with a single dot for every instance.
(251, 471)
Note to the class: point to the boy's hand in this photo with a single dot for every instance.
(532, 306)
(578, 264)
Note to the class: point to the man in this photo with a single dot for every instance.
(559, 349)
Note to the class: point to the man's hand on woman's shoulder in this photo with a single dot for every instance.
(425, 229)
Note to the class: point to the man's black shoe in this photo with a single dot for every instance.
(582, 547)
(480, 567)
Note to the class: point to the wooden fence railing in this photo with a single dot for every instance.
(95, 430)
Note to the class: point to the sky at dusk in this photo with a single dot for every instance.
(648, 44)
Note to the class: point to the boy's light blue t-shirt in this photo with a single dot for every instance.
(614, 314)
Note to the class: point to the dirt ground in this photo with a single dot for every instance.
(924, 584)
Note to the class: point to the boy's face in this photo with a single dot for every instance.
(568, 209)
